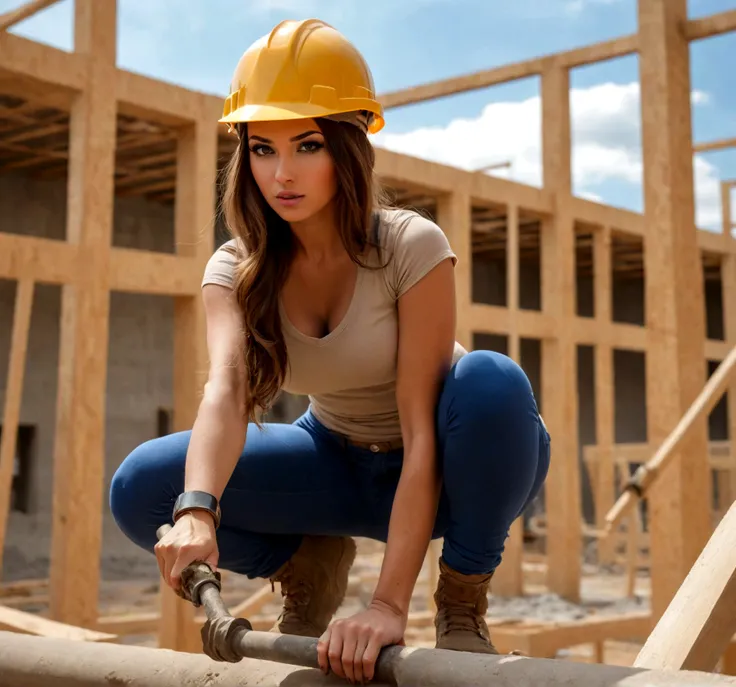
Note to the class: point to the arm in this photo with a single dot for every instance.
(426, 340)
(218, 434)
(216, 441)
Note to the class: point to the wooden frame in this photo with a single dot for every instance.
(120, 132)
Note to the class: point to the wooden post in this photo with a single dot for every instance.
(508, 579)
(454, 214)
(604, 390)
(675, 373)
(559, 359)
(13, 398)
(80, 415)
(728, 291)
(195, 237)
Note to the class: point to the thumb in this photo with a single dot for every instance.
(212, 560)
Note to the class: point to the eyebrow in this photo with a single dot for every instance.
(295, 138)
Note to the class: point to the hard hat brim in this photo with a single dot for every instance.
(285, 112)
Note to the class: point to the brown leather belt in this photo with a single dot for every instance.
(374, 446)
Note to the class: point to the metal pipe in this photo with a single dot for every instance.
(27, 661)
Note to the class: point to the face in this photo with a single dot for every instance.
(292, 167)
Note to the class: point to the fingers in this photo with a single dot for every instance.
(349, 650)
(346, 658)
(360, 669)
(370, 656)
(323, 645)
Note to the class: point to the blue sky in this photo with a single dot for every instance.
(196, 43)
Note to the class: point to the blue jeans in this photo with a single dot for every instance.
(296, 479)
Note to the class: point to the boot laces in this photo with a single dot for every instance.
(296, 593)
(461, 618)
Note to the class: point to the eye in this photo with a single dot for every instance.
(311, 146)
(260, 149)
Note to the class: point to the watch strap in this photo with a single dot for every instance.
(197, 500)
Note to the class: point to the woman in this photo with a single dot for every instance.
(326, 291)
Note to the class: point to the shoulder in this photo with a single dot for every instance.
(220, 268)
(413, 245)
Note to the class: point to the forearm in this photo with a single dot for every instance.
(216, 443)
(410, 527)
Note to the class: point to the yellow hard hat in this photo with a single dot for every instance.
(302, 69)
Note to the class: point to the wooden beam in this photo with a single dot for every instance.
(13, 397)
(12, 620)
(720, 144)
(714, 25)
(397, 169)
(43, 64)
(495, 319)
(42, 260)
(675, 374)
(79, 446)
(25, 11)
(155, 100)
(588, 54)
(141, 271)
(699, 623)
(559, 354)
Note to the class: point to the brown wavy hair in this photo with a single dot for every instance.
(268, 245)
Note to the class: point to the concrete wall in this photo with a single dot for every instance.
(140, 364)
(139, 368)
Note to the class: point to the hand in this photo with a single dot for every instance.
(350, 646)
(192, 538)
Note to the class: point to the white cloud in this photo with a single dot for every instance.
(606, 145)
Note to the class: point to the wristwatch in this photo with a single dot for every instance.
(197, 500)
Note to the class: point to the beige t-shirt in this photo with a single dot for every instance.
(350, 374)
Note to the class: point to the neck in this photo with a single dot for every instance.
(318, 236)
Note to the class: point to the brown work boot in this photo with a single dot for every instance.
(462, 603)
(313, 584)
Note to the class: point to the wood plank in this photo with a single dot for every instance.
(140, 271)
(157, 101)
(697, 627)
(13, 17)
(675, 373)
(508, 579)
(559, 355)
(604, 390)
(13, 397)
(588, 54)
(454, 217)
(713, 25)
(529, 324)
(80, 415)
(720, 144)
(396, 169)
(41, 63)
(12, 620)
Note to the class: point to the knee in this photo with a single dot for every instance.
(489, 387)
(142, 482)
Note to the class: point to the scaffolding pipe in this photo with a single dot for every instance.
(27, 661)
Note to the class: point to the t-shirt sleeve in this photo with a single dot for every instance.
(420, 245)
(220, 267)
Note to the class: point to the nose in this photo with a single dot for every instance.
(284, 170)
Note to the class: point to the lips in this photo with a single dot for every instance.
(288, 196)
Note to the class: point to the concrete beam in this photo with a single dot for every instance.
(42, 662)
